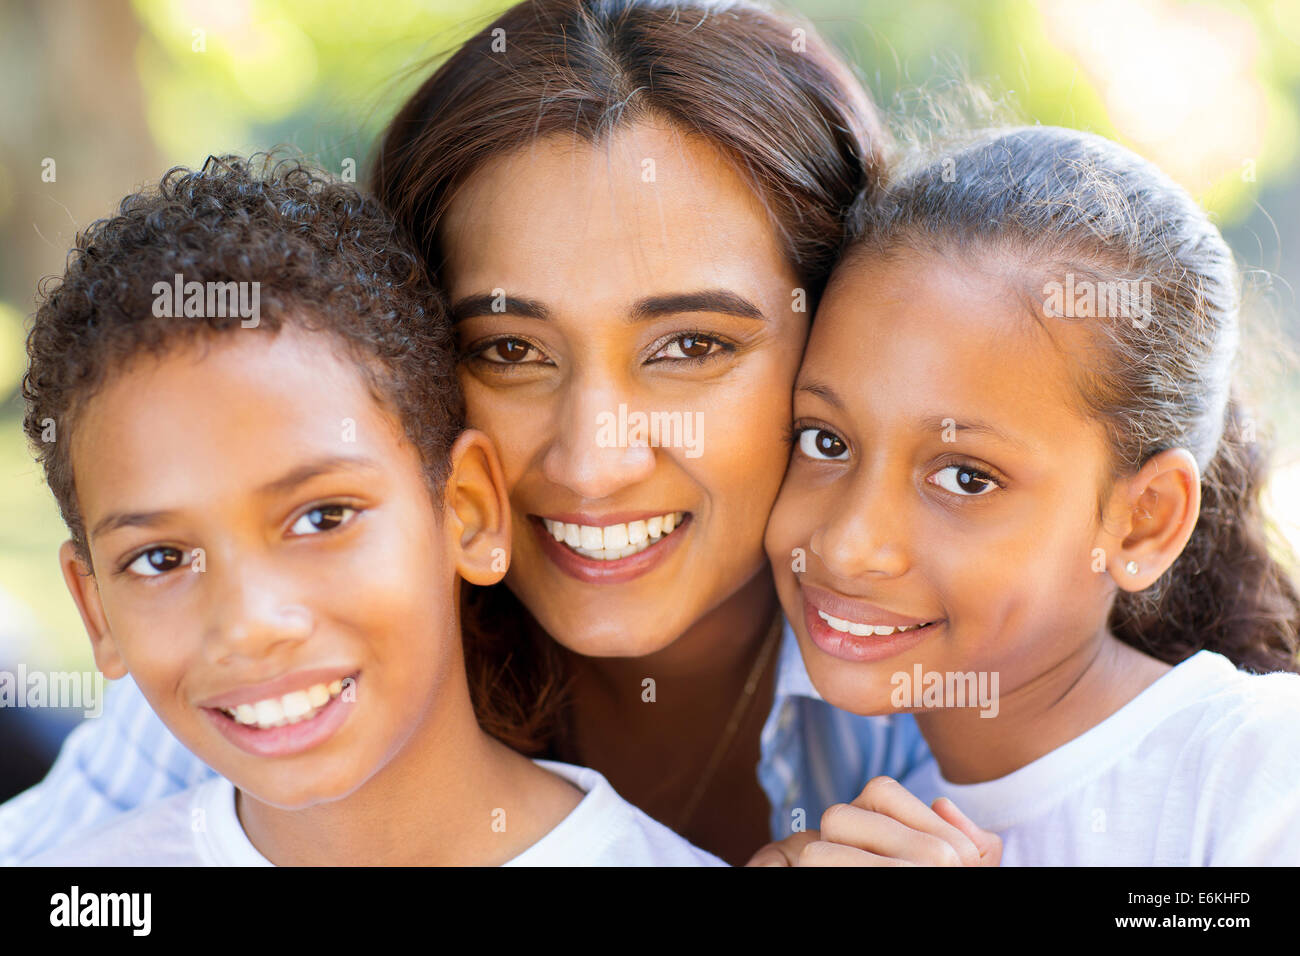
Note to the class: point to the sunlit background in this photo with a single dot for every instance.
(99, 97)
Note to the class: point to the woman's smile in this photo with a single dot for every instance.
(601, 551)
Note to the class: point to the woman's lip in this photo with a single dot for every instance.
(605, 520)
(868, 647)
(591, 571)
(859, 612)
(287, 740)
(279, 686)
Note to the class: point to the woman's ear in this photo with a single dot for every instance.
(85, 594)
(1157, 512)
(478, 509)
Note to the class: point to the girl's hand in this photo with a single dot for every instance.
(887, 826)
(784, 852)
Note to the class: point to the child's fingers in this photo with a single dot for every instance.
(822, 853)
(887, 796)
(881, 834)
(783, 852)
(987, 842)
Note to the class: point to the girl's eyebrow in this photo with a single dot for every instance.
(650, 307)
(933, 423)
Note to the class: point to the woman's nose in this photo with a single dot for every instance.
(593, 453)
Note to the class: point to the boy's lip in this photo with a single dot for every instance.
(858, 611)
(278, 687)
(289, 739)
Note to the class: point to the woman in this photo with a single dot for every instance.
(633, 208)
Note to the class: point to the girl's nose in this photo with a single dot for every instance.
(867, 537)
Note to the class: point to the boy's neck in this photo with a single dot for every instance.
(454, 796)
(1036, 718)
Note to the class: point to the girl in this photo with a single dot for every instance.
(1023, 504)
(683, 284)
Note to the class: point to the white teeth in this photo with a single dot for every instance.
(291, 708)
(863, 630)
(611, 542)
(616, 537)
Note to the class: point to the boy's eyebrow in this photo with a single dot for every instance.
(286, 482)
(650, 307)
(934, 423)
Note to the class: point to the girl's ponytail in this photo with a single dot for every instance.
(1226, 592)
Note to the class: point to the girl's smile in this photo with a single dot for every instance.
(854, 630)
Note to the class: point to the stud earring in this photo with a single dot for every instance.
(1131, 567)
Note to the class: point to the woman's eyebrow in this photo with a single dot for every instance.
(706, 300)
(488, 304)
(651, 307)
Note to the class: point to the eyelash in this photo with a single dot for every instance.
(724, 347)
(797, 428)
(137, 554)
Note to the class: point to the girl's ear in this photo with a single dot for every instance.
(478, 508)
(85, 593)
(1160, 505)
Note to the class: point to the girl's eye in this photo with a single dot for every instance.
(158, 561)
(690, 346)
(507, 351)
(822, 445)
(963, 480)
(324, 518)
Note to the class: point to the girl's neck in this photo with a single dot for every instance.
(1048, 711)
(452, 796)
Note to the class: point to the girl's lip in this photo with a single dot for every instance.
(868, 647)
(291, 738)
(591, 571)
(860, 612)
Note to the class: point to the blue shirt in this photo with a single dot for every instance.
(812, 756)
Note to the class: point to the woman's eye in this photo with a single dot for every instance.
(822, 445)
(963, 480)
(158, 561)
(507, 352)
(688, 347)
(324, 518)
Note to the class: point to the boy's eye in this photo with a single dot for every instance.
(158, 561)
(689, 346)
(507, 351)
(324, 518)
(963, 480)
(822, 445)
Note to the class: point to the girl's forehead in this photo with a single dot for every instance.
(937, 338)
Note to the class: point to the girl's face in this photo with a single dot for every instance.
(632, 331)
(941, 502)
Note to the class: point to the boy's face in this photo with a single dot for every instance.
(262, 535)
(940, 482)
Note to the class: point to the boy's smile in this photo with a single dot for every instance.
(268, 560)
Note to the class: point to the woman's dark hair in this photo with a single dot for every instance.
(1061, 203)
(320, 254)
(760, 87)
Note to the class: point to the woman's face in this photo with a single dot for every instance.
(632, 330)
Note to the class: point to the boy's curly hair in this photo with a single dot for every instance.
(325, 257)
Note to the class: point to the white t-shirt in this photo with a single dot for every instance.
(1200, 769)
(199, 827)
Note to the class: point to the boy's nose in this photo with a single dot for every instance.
(253, 615)
(866, 537)
(593, 452)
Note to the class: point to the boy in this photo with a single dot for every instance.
(243, 394)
